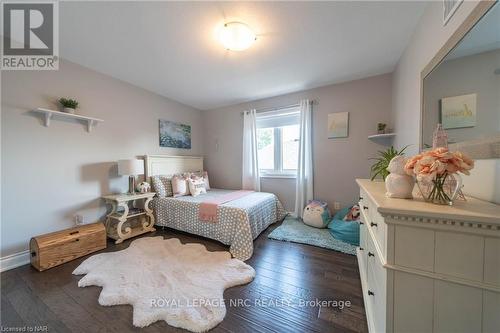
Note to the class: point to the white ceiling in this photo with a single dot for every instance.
(170, 48)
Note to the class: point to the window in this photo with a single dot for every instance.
(278, 142)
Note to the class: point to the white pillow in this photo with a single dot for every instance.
(196, 186)
(202, 175)
(180, 186)
(205, 178)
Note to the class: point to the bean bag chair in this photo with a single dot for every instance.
(345, 225)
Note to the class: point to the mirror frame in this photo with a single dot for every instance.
(476, 149)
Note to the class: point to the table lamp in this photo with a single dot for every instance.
(130, 168)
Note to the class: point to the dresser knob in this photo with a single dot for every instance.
(361, 222)
(373, 224)
(365, 207)
(361, 249)
(371, 293)
(360, 198)
(370, 254)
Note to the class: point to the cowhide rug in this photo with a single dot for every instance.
(164, 279)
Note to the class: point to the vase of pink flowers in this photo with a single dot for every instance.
(437, 174)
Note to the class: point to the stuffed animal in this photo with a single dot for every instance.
(143, 187)
(398, 184)
(353, 214)
(316, 214)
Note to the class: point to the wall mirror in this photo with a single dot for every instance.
(461, 87)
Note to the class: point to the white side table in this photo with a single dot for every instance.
(124, 207)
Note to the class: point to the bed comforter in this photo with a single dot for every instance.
(239, 221)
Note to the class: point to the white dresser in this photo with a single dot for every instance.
(429, 268)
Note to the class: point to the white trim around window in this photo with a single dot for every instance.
(277, 120)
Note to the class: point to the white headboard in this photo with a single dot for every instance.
(169, 165)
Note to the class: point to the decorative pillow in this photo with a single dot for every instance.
(316, 214)
(352, 214)
(180, 186)
(205, 179)
(162, 185)
(202, 175)
(196, 186)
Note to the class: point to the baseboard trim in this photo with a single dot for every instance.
(14, 260)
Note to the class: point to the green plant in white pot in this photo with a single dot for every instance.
(379, 168)
(68, 105)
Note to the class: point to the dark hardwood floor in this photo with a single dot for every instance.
(288, 275)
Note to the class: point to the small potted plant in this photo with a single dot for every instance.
(381, 128)
(382, 162)
(69, 105)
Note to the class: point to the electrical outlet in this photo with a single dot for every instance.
(336, 205)
(78, 219)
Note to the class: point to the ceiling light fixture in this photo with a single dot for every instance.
(236, 36)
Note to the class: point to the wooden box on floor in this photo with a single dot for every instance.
(59, 247)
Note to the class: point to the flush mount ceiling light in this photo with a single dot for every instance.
(236, 36)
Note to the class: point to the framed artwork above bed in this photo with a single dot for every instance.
(174, 135)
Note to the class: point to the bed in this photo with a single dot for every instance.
(240, 221)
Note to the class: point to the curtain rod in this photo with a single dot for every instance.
(275, 108)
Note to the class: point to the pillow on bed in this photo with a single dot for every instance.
(205, 179)
(197, 186)
(180, 186)
(162, 185)
(202, 175)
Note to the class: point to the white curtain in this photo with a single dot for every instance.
(250, 169)
(304, 186)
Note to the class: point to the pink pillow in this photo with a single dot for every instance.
(180, 186)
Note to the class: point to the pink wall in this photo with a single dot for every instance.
(337, 162)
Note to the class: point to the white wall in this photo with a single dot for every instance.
(473, 74)
(337, 162)
(429, 36)
(50, 174)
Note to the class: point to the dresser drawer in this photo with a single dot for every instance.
(363, 233)
(374, 262)
(363, 246)
(375, 222)
(376, 301)
(362, 197)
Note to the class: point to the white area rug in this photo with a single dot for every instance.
(182, 284)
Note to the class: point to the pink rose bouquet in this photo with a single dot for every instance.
(435, 167)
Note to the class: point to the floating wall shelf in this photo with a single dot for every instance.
(382, 136)
(50, 114)
(383, 139)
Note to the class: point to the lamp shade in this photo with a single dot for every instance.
(130, 167)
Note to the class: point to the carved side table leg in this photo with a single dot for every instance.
(122, 219)
(148, 224)
(108, 224)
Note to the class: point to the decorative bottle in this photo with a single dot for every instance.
(439, 138)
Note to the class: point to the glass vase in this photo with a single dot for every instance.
(442, 189)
